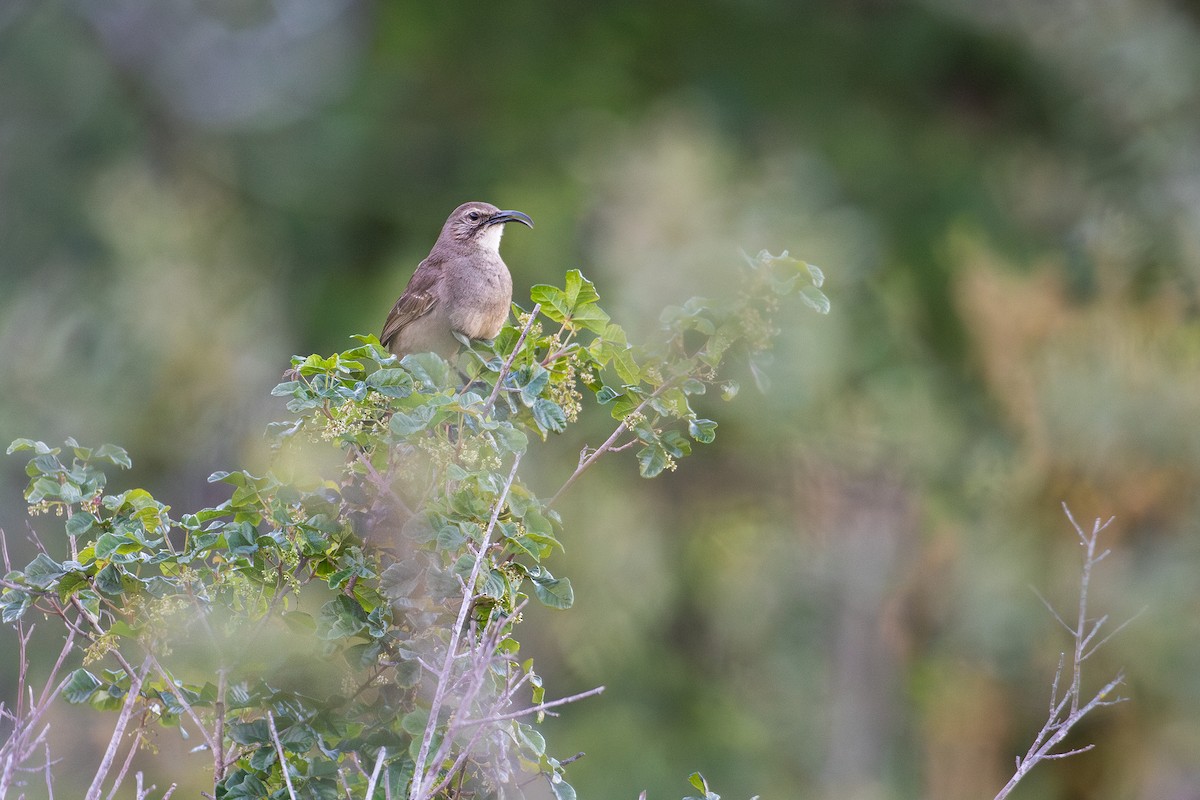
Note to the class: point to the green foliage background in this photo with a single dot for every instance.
(832, 600)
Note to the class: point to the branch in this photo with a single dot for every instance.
(585, 462)
(375, 774)
(135, 690)
(420, 779)
(1067, 711)
(511, 357)
(283, 767)
(533, 709)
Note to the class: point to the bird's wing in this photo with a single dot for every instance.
(417, 301)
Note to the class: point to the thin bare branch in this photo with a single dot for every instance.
(1066, 711)
(133, 748)
(504, 370)
(1069, 753)
(370, 795)
(610, 442)
(283, 766)
(131, 699)
(421, 780)
(1115, 631)
(1053, 613)
(524, 712)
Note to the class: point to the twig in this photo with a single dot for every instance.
(283, 767)
(370, 795)
(1067, 710)
(133, 748)
(504, 370)
(213, 746)
(588, 460)
(420, 779)
(135, 690)
(533, 709)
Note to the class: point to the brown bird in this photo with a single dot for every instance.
(462, 285)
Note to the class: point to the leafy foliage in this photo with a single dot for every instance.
(331, 626)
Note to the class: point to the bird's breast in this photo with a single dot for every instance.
(481, 298)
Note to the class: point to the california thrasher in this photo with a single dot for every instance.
(462, 285)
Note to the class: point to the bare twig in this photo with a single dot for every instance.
(370, 795)
(133, 748)
(511, 356)
(524, 712)
(421, 780)
(283, 767)
(131, 699)
(210, 741)
(587, 459)
(1070, 708)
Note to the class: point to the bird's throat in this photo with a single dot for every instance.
(489, 238)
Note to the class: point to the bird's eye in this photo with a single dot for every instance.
(473, 216)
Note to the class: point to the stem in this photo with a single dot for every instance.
(511, 357)
(585, 463)
(135, 690)
(375, 774)
(533, 709)
(283, 767)
(420, 780)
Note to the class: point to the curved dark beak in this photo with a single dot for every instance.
(510, 216)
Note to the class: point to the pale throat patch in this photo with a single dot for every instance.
(490, 240)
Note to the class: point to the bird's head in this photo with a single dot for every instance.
(480, 223)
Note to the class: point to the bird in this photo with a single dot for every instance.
(462, 285)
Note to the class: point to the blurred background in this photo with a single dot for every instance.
(832, 601)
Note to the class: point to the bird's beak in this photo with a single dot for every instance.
(501, 217)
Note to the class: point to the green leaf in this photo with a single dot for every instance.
(241, 538)
(428, 368)
(676, 444)
(702, 430)
(450, 537)
(511, 439)
(90, 601)
(652, 460)
(113, 455)
(108, 581)
(80, 523)
(815, 299)
(241, 785)
(13, 604)
(606, 394)
(41, 448)
(533, 380)
(553, 301)
(579, 290)
(43, 571)
(495, 585)
(549, 415)
(391, 382)
(562, 790)
(341, 617)
(80, 686)
(551, 591)
(593, 318)
(248, 733)
(574, 305)
(814, 274)
(697, 780)
(532, 739)
(414, 722)
(71, 583)
(298, 738)
(407, 423)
